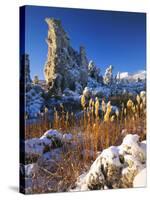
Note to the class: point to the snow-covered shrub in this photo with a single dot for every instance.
(115, 167)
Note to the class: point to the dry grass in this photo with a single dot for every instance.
(99, 128)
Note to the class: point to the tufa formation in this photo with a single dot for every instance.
(65, 68)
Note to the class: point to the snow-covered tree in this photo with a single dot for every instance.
(108, 77)
(94, 72)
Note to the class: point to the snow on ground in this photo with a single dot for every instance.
(35, 147)
(140, 179)
(44, 153)
(115, 167)
(120, 88)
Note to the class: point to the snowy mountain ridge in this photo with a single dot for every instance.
(133, 76)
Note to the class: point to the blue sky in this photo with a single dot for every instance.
(117, 38)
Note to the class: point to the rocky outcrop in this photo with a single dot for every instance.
(93, 71)
(43, 156)
(115, 167)
(65, 67)
(25, 69)
(36, 147)
(31, 92)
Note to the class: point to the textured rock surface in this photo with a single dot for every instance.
(115, 167)
(43, 156)
(34, 101)
(25, 69)
(51, 139)
(65, 67)
(32, 92)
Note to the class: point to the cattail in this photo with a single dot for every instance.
(108, 111)
(97, 107)
(138, 99)
(90, 103)
(56, 119)
(117, 113)
(141, 106)
(137, 107)
(72, 114)
(129, 104)
(83, 101)
(125, 111)
(103, 106)
(93, 103)
(112, 118)
(133, 109)
(142, 94)
(109, 107)
(144, 101)
(106, 117)
(46, 110)
(67, 116)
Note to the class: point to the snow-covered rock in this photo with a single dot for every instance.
(101, 91)
(36, 147)
(115, 167)
(50, 134)
(33, 148)
(68, 92)
(132, 146)
(30, 169)
(87, 92)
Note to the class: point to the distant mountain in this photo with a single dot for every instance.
(134, 76)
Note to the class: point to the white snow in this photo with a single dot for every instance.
(130, 140)
(132, 146)
(111, 156)
(30, 169)
(142, 94)
(124, 75)
(134, 76)
(35, 146)
(51, 134)
(140, 179)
